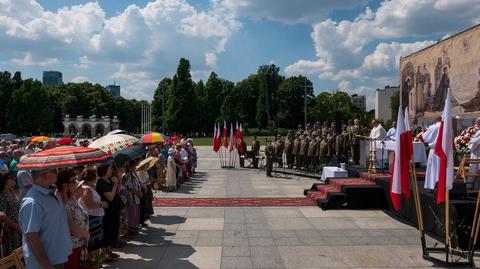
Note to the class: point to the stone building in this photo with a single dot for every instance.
(89, 127)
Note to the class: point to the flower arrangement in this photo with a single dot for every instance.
(462, 140)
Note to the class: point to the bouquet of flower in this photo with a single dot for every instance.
(462, 140)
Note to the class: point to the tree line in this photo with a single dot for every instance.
(264, 102)
(28, 107)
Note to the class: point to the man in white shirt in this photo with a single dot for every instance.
(391, 132)
(433, 163)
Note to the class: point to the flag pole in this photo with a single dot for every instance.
(418, 206)
(474, 232)
(447, 221)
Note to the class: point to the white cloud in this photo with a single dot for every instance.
(29, 60)
(79, 79)
(143, 43)
(211, 59)
(343, 49)
(287, 11)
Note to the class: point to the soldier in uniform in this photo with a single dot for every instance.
(269, 153)
(323, 149)
(331, 145)
(302, 151)
(355, 141)
(312, 152)
(339, 145)
(346, 141)
(256, 151)
(325, 127)
(296, 149)
(289, 150)
(279, 148)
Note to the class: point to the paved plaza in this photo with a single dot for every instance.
(266, 237)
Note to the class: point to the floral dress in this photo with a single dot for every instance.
(123, 194)
(10, 204)
(80, 218)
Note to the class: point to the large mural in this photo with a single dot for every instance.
(426, 75)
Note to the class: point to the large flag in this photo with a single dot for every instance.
(231, 147)
(240, 134)
(237, 136)
(399, 182)
(225, 135)
(408, 136)
(444, 151)
(215, 137)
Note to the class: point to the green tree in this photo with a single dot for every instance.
(227, 111)
(291, 101)
(159, 103)
(247, 94)
(214, 94)
(181, 103)
(29, 109)
(7, 85)
(266, 103)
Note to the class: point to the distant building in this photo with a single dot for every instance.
(52, 78)
(383, 104)
(359, 101)
(114, 90)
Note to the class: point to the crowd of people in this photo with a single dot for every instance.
(65, 217)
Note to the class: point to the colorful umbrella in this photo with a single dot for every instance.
(123, 156)
(113, 143)
(154, 138)
(61, 157)
(174, 138)
(7, 137)
(64, 141)
(41, 139)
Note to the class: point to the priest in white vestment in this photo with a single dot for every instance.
(378, 134)
(433, 162)
(391, 132)
(474, 146)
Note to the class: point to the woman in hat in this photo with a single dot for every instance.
(171, 179)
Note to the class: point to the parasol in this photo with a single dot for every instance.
(7, 137)
(41, 139)
(123, 156)
(147, 163)
(61, 157)
(154, 137)
(117, 132)
(113, 143)
(64, 141)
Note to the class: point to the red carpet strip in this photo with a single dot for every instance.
(232, 202)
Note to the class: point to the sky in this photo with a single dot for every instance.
(349, 45)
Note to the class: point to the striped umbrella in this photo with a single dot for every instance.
(62, 157)
(154, 137)
(113, 143)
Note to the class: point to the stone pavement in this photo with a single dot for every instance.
(266, 237)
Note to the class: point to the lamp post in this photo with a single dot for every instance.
(305, 101)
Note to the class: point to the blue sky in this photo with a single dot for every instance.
(351, 45)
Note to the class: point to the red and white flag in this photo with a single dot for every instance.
(240, 134)
(231, 147)
(225, 135)
(444, 151)
(215, 137)
(237, 136)
(408, 136)
(399, 182)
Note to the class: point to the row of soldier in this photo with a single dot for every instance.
(319, 144)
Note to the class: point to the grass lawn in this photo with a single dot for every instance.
(208, 141)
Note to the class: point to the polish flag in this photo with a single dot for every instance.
(240, 133)
(237, 136)
(444, 151)
(225, 135)
(408, 136)
(232, 139)
(215, 137)
(399, 182)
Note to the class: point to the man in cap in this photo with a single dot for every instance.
(311, 153)
(355, 131)
(296, 149)
(269, 153)
(289, 150)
